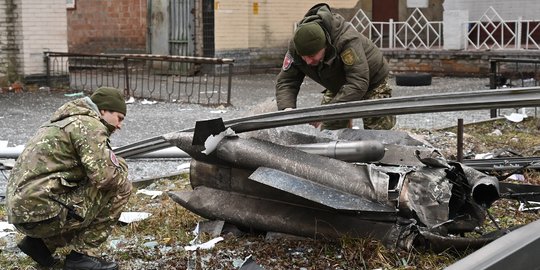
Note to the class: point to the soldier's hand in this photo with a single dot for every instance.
(315, 124)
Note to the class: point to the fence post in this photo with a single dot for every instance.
(518, 33)
(126, 76)
(459, 147)
(493, 82)
(230, 84)
(391, 34)
(48, 69)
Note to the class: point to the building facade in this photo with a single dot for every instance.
(27, 29)
(253, 32)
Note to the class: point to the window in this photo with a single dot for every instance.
(70, 3)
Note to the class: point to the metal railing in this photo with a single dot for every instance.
(516, 72)
(417, 32)
(172, 78)
(493, 32)
(513, 72)
(445, 102)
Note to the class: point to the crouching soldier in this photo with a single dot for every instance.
(67, 187)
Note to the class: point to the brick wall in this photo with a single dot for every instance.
(10, 44)
(3, 39)
(107, 26)
(449, 63)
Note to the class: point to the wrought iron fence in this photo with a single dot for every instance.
(513, 72)
(172, 78)
(516, 72)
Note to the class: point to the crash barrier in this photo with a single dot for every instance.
(513, 72)
(507, 252)
(183, 79)
(445, 102)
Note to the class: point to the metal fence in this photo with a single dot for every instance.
(416, 32)
(491, 31)
(513, 72)
(172, 78)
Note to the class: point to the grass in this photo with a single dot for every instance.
(157, 242)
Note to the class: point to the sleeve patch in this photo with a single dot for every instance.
(287, 62)
(113, 158)
(349, 57)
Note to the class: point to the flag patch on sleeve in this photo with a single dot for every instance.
(287, 62)
(114, 160)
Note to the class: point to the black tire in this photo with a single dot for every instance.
(413, 79)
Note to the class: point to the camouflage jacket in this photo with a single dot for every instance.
(70, 150)
(352, 64)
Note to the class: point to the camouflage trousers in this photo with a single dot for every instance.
(383, 90)
(100, 209)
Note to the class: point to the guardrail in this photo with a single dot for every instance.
(172, 78)
(461, 101)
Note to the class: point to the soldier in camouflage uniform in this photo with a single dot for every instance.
(67, 186)
(330, 51)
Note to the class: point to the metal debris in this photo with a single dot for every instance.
(263, 185)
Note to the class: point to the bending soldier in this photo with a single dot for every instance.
(330, 51)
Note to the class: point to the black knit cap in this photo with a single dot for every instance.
(108, 98)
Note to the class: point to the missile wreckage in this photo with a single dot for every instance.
(260, 175)
(357, 183)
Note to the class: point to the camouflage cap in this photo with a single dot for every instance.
(309, 38)
(108, 98)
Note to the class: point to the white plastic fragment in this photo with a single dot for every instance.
(206, 245)
(213, 140)
(517, 177)
(129, 217)
(153, 193)
(130, 100)
(196, 233)
(516, 117)
(529, 206)
(148, 102)
(6, 228)
(483, 156)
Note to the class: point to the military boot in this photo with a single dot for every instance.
(37, 250)
(78, 261)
